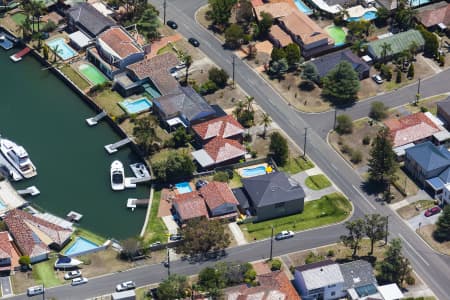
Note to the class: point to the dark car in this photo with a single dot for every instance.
(172, 24)
(194, 42)
(200, 183)
(175, 237)
(432, 211)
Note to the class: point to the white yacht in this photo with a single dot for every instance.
(17, 156)
(117, 176)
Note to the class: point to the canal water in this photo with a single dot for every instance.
(41, 113)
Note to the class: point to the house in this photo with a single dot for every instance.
(270, 196)
(326, 63)
(115, 49)
(183, 107)
(226, 127)
(84, 17)
(399, 42)
(278, 37)
(435, 17)
(312, 39)
(443, 111)
(9, 258)
(152, 75)
(359, 279)
(276, 10)
(189, 206)
(273, 285)
(34, 236)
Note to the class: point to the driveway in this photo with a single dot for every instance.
(5, 283)
(414, 221)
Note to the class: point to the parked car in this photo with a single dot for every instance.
(79, 280)
(155, 244)
(432, 211)
(72, 274)
(200, 183)
(176, 237)
(35, 290)
(125, 286)
(172, 24)
(284, 235)
(194, 42)
(377, 78)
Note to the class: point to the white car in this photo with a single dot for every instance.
(35, 290)
(124, 286)
(72, 274)
(377, 78)
(284, 235)
(79, 280)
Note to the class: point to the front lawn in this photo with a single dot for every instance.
(297, 165)
(76, 78)
(327, 210)
(108, 100)
(44, 273)
(317, 182)
(156, 229)
(414, 209)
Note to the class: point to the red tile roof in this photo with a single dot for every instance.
(282, 37)
(304, 27)
(119, 41)
(224, 127)
(190, 205)
(221, 150)
(435, 16)
(216, 194)
(410, 128)
(281, 282)
(256, 3)
(5, 245)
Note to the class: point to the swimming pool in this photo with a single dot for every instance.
(62, 49)
(337, 34)
(136, 106)
(414, 3)
(2, 204)
(367, 16)
(81, 245)
(183, 187)
(303, 7)
(256, 171)
(92, 74)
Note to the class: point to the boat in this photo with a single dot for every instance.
(140, 170)
(65, 262)
(18, 157)
(117, 176)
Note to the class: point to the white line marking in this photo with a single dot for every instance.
(414, 250)
(364, 197)
(334, 167)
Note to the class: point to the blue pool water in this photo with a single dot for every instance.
(183, 187)
(2, 204)
(368, 16)
(260, 170)
(63, 51)
(414, 3)
(302, 7)
(80, 245)
(136, 106)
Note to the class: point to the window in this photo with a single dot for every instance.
(333, 293)
(279, 205)
(331, 285)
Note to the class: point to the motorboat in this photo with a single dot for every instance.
(18, 157)
(65, 262)
(117, 176)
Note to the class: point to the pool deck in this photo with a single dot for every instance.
(240, 171)
(358, 11)
(10, 196)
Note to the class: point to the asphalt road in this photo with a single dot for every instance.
(433, 268)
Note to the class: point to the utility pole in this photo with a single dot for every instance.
(168, 262)
(335, 117)
(271, 245)
(164, 11)
(233, 64)
(418, 92)
(43, 292)
(304, 144)
(387, 233)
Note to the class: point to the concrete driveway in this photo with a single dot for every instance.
(5, 283)
(414, 221)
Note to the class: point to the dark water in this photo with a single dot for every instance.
(39, 112)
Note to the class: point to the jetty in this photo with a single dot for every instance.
(112, 148)
(18, 56)
(32, 190)
(5, 43)
(133, 203)
(73, 216)
(94, 120)
(140, 170)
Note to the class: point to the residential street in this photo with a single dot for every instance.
(433, 268)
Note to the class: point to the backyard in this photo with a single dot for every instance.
(76, 78)
(156, 229)
(108, 100)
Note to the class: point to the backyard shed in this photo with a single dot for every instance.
(79, 40)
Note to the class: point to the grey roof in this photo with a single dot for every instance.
(327, 62)
(272, 188)
(445, 105)
(241, 197)
(357, 273)
(185, 102)
(428, 156)
(321, 274)
(89, 19)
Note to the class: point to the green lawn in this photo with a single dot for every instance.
(140, 293)
(18, 18)
(93, 237)
(329, 209)
(164, 154)
(156, 229)
(44, 273)
(296, 165)
(236, 181)
(166, 48)
(75, 77)
(108, 100)
(317, 182)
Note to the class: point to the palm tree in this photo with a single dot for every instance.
(249, 102)
(240, 106)
(385, 50)
(266, 121)
(413, 47)
(188, 63)
(25, 28)
(38, 8)
(56, 51)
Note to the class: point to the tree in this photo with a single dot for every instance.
(344, 124)
(404, 17)
(177, 165)
(382, 162)
(174, 287)
(279, 148)
(375, 228)
(266, 120)
(278, 67)
(211, 278)
(354, 236)
(398, 77)
(378, 111)
(264, 25)
(149, 23)
(24, 260)
(413, 48)
(292, 55)
(386, 72)
(220, 12)
(244, 13)
(201, 236)
(385, 50)
(25, 28)
(187, 59)
(218, 76)
(145, 133)
(431, 42)
(38, 9)
(383, 15)
(234, 35)
(45, 51)
(341, 83)
(277, 54)
(411, 71)
(442, 232)
(249, 102)
(130, 248)
(395, 267)
(251, 51)
(310, 74)
(240, 107)
(181, 138)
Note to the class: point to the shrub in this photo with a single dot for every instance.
(356, 157)
(49, 26)
(24, 260)
(312, 258)
(378, 111)
(398, 77)
(386, 72)
(218, 76)
(411, 71)
(275, 265)
(344, 124)
(410, 280)
(366, 140)
(441, 60)
(279, 148)
(423, 109)
(221, 176)
(208, 87)
(346, 149)
(330, 253)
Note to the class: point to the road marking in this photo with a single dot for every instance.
(414, 250)
(334, 167)
(364, 197)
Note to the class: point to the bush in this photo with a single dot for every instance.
(218, 76)
(279, 148)
(24, 260)
(312, 258)
(366, 140)
(246, 118)
(410, 280)
(49, 26)
(441, 60)
(275, 265)
(330, 253)
(346, 149)
(423, 109)
(378, 111)
(356, 157)
(208, 87)
(411, 71)
(221, 176)
(398, 77)
(344, 124)
(386, 72)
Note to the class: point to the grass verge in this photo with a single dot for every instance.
(156, 229)
(414, 209)
(317, 182)
(93, 237)
(44, 273)
(296, 165)
(327, 210)
(75, 77)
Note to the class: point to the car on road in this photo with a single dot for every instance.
(125, 286)
(176, 237)
(72, 274)
(285, 234)
(377, 78)
(35, 290)
(155, 244)
(432, 211)
(194, 42)
(79, 280)
(172, 24)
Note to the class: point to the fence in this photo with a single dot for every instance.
(100, 248)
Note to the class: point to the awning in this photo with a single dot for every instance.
(175, 121)
(400, 150)
(80, 39)
(442, 136)
(203, 158)
(436, 183)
